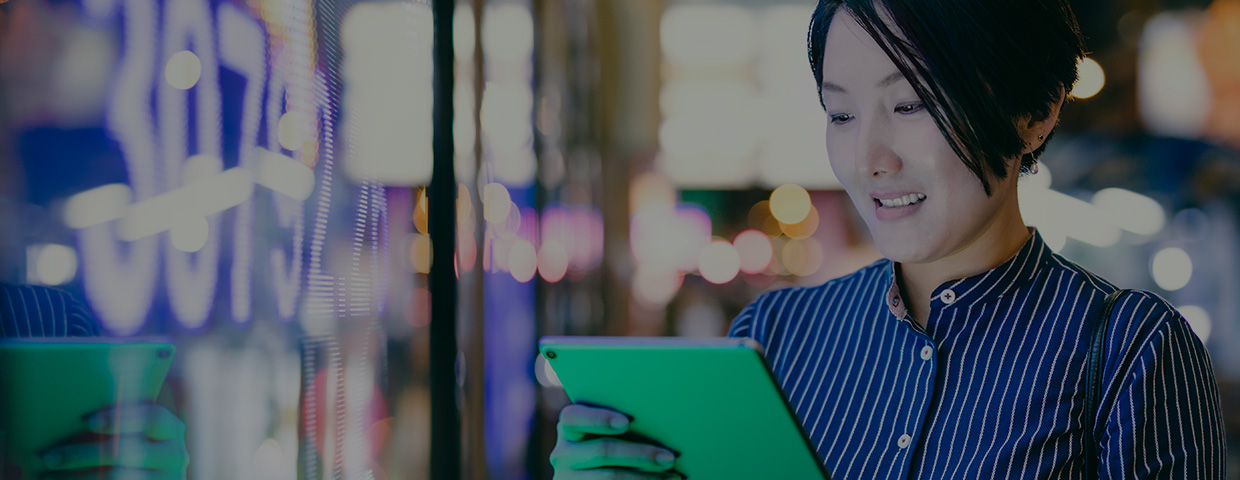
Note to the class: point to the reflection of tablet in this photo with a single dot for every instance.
(48, 387)
(713, 401)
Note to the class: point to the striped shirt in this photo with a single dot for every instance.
(35, 311)
(994, 385)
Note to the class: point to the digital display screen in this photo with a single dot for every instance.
(219, 172)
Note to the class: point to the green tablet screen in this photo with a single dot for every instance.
(713, 401)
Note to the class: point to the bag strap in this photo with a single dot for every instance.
(1093, 377)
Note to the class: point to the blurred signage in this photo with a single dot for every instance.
(219, 112)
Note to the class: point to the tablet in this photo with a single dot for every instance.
(49, 387)
(713, 401)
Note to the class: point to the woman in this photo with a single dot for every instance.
(959, 355)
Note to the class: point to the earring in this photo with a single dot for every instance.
(1033, 169)
(1041, 137)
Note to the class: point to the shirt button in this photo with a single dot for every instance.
(904, 441)
(948, 297)
(927, 352)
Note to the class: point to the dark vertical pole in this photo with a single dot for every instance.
(441, 203)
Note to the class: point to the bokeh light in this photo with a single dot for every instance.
(466, 251)
(672, 237)
(496, 203)
(719, 262)
(1090, 80)
(1199, 320)
(802, 257)
(790, 204)
(522, 260)
(655, 285)
(803, 229)
(708, 34)
(508, 32)
(651, 190)
(183, 70)
(54, 264)
(420, 253)
(1131, 211)
(552, 261)
(421, 213)
(760, 218)
(1171, 268)
(755, 251)
(290, 130)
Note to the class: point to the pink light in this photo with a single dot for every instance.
(755, 250)
(579, 229)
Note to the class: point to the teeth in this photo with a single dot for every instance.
(904, 201)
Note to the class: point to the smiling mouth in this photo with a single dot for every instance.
(910, 199)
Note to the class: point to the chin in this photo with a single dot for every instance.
(905, 250)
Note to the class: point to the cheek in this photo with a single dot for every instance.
(842, 156)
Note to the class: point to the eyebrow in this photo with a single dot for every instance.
(884, 83)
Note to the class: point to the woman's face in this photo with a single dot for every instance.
(918, 199)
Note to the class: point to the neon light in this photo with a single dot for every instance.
(241, 50)
(119, 277)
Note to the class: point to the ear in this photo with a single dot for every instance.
(1035, 130)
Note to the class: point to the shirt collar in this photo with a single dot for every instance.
(1006, 278)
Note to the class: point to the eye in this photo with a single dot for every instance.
(841, 118)
(910, 108)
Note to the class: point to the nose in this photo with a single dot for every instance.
(877, 155)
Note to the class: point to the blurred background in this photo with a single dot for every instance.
(251, 178)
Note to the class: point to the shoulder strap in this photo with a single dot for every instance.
(1093, 377)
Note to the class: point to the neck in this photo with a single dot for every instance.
(917, 281)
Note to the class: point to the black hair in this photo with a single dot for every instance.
(978, 65)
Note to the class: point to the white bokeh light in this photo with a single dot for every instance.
(1131, 211)
(1198, 319)
(1171, 268)
(183, 70)
(54, 264)
(719, 262)
(1091, 78)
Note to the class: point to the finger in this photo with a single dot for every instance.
(119, 473)
(577, 421)
(120, 451)
(153, 420)
(611, 452)
(614, 474)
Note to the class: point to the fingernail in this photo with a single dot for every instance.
(53, 459)
(666, 459)
(619, 423)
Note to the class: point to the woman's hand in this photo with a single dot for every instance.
(586, 448)
(141, 441)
